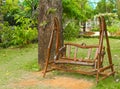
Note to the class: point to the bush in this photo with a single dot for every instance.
(6, 35)
(22, 37)
(71, 31)
(96, 28)
(18, 35)
(114, 28)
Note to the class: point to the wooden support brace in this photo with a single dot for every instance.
(109, 74)
(105, 68)
(78, 71)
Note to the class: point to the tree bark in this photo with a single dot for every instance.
(48, 9)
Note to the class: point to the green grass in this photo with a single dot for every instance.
(16, 62)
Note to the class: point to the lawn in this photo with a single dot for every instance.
(18, 64)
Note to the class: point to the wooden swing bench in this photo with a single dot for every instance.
(69, 52)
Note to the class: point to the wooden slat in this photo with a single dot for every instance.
(75, 53)
(96, 53)
(62, 61)
(89, 53)
(64, 53)
(69, 50)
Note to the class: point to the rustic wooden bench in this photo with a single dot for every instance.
(72, 53)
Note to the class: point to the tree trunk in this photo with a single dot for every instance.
(48, 9)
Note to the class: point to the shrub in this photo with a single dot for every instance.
(18, 35)
(22, 37)
(114, 28)
(71, 31)
(96, 28)
(6, 35)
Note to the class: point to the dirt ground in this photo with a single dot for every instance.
(62, 82)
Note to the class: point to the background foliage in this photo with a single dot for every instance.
(20, 23)
(18, 20)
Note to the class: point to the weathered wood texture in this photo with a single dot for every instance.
(47, 10)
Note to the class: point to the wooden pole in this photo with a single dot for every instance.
(108, 45)
(48, 52)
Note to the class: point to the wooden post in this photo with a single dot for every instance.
(108, 45)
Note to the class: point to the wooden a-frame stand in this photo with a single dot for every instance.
(63, 54)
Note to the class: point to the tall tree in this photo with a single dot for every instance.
(77, 9)
(48, 9)
(104, 6)
(1, 19)
(118, 8)
(1, 16)
(30, 7)
(9, 9)
(0, 10)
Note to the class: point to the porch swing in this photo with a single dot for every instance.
(68, 54)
